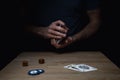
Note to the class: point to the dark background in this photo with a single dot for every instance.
(106, 40)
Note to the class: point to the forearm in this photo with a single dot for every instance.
(88, 31)
(91, 28)
(34, 30)
(31, 28)
(50, 32)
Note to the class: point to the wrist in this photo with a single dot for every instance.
(38, 31)
(75, 38)
(34, 30)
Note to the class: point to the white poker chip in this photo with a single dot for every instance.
(35, 71)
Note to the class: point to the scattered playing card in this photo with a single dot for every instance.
(80, 67)
(72, 67)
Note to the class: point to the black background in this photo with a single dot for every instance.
(106, 40)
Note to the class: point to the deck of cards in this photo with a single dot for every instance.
(80, 67)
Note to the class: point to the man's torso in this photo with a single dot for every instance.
(44, 12)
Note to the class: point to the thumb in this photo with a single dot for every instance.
(69, 40)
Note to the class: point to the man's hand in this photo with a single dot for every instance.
(56, 30)
(63, 44)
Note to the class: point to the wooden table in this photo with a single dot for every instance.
(54, 66)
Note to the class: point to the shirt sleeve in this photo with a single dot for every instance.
(92, 4)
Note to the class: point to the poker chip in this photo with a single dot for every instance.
(41, 61)
(35, 71)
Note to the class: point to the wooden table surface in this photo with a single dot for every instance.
(54, 66)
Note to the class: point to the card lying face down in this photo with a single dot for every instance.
(80, 67)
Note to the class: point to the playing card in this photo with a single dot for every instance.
(72, 67)
(80, 67)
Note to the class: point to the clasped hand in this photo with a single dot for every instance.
(55, 31)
